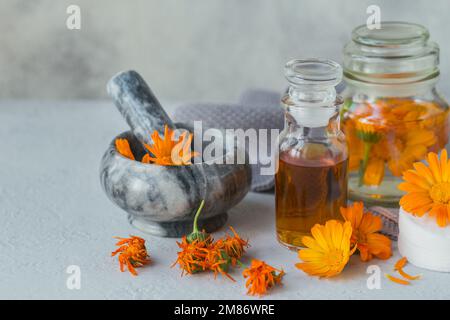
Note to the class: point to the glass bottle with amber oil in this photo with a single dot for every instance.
(311, 177)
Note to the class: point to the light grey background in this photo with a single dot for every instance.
(197, 50)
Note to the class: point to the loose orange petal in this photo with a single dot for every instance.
(407, 276)
(123, 147)
(397, 280)
(401, 263)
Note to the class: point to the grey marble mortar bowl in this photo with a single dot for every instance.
(162, 200)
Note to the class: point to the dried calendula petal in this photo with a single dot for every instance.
(397, 280)
(123, 147)
(408, 276)
(374, 172)
(399, 265)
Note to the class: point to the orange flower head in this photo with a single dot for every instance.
(234, 246)
(428, 188)
(217, 260)
(132, 253)
(328, 251)
(169, 151)
(123, 147)
(261, 277)
(365, 234)
(369, 132)
(412, 149)
(192, 257)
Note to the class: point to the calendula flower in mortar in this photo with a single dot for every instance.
(132, 253)
(328, 251)
(123, 147)
(428, 188)
(365, 228)
(261, 277)
(169, 151)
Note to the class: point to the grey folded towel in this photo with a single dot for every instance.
(259, 109)
(390, 220)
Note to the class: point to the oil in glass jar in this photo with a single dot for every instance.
(311, 177)
(393, 114)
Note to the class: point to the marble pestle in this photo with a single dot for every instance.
(162, 200)
(138, 105)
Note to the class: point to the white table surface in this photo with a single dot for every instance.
(55, 214)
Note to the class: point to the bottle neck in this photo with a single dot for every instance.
(331, 127)
(309, 96)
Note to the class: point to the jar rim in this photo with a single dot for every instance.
(397, 51)
(311, 71)
(391, 33)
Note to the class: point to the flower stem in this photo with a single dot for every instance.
(197, 214)
(364, 161)
(241, 264)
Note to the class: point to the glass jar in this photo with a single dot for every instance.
(392, 114)
(311, 177)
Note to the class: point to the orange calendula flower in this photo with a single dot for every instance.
(261, 277)
(169, 151)
(369, 132)
(365, 234)
(123, 147)
(428, 188)
(200, 252)
(201, 255)
(217, 260)
(328, 251)
(234, 246)
(192, 257)
(132, 253)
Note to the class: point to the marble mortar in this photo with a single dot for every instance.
(162, 200)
